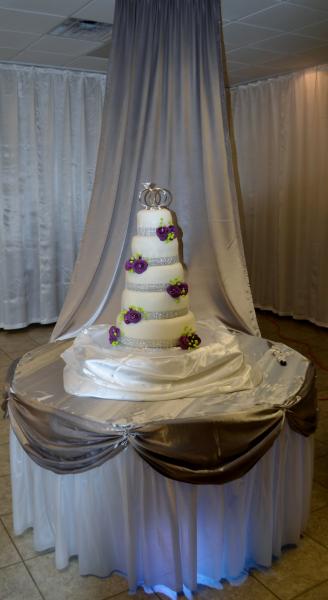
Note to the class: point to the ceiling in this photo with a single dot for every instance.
(262, 38)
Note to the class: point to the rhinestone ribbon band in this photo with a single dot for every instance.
(166, 314)
(140, 343)
(146, 231)
(146, 287)
(165, 260)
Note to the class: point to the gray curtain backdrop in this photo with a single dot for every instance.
(165, 121)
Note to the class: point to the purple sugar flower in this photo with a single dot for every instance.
(190, 341)
(114, 334)
(174, 290)
(140, 265)
(172, 229)
(194, 340)
(130, 264)
(184, 342)
(132, 316)
(183, 288)
(162, 233)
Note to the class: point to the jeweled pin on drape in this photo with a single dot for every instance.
(164, 121)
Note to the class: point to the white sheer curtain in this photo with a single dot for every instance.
(49, 132)
(281, 128)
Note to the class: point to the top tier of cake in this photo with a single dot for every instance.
(150, 218)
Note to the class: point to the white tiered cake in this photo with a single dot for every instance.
(155, 302)
(155, 314)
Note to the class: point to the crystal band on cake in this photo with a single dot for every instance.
(164, 260)
(143, 343)
(146, 231)
(146, 287)
(166, 314)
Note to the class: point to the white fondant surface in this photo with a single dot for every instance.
(166, 329)
(154, 301)
(153, 247)
(154, 217)
(161, 274)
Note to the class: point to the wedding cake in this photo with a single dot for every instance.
(155, 301)
(155, 314)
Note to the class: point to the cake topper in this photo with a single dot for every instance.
(153, 196)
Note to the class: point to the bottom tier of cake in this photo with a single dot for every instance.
(161, 333)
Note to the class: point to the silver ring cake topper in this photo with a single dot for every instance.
(153, 196)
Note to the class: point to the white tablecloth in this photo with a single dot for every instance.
(162, 534)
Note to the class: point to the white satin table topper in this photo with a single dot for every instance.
(94, 368)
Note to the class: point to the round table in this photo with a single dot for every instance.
(122, 514)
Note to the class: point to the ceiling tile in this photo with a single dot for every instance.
(52, 7)
(89, 63)
(289, 43)
(41, 58)
(318, 4)
(239, 34)
(102, 52)
(319, 55)
(17, 39)
(252, 55)
(236, 66)
(6, 53)
(98, 10)
(248, 73)
(287, 63)
(236, 9)
(284, 17)
(16, 20)
(320, 30)
(62, 45)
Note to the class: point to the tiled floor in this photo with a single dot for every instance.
(301, 573)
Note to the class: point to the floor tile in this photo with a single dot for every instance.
(5, 495)
(319, 496)
(317, 527)
(40, 334)
(139, 595)
(323, 407)
(15, 345)
(321, 470)
(8, 552)
(5, 360)
(251, 589)
(321, 433)
(4, 371)
(322, 383)
(19, 353)
(298, 570)
(68, 584)
(23, 542)
(4, 460)
(320, 448)
(320, 592)
(17, 584)
(4, 429)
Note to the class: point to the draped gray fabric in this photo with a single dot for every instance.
(164, 120)
(199, 450)
(211, 439)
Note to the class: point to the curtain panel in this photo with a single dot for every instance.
(49, 133)
(165, 121)
(280, 128)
